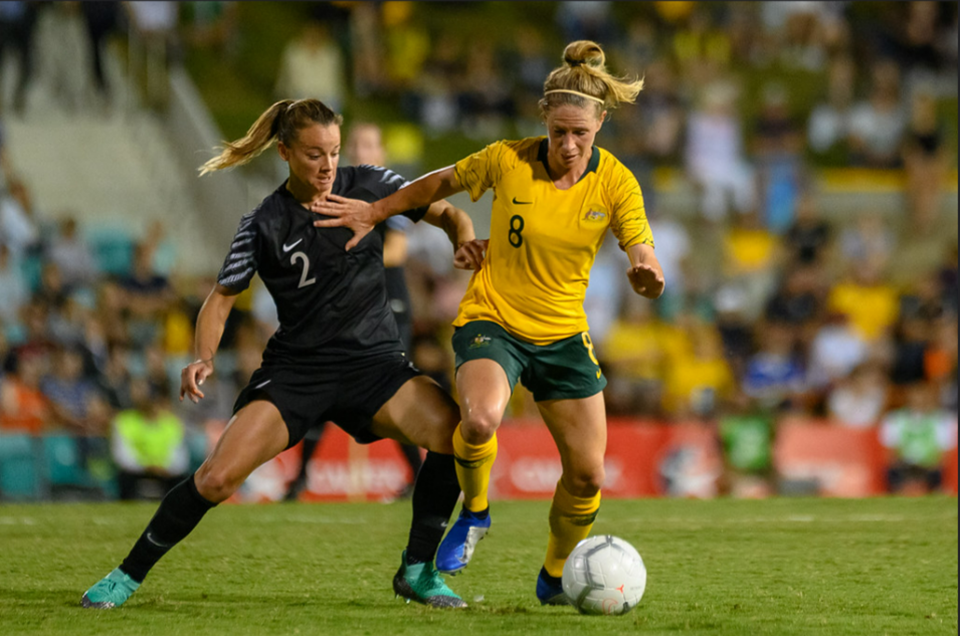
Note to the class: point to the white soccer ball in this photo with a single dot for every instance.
(604, 575)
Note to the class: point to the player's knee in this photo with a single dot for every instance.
(480, 425)
(215, 484)
(585, 482)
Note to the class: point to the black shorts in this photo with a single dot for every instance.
(348, 394)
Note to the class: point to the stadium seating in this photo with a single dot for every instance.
(65, 474)
(19, 468)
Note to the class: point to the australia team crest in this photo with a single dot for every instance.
(479, 341)
(595, 213)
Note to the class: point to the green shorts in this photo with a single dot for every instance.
(562, 370)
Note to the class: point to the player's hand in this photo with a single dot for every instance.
(470, 255)
(357, 215)
(646, 281)
(192, 377)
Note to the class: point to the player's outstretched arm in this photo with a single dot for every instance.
(210, 322)
(645, 273)
(361, 217)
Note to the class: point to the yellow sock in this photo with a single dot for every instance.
(474, 464)
(570, 521)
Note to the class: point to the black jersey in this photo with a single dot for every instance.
(331, 304)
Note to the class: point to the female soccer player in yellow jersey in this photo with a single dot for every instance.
(522, 317)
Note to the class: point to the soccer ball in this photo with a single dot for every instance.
(604, 575)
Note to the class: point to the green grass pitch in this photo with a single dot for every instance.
(779, 566)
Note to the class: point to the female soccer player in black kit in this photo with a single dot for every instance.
(364, 147)
(336, 355)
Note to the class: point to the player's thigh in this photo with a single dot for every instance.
(579, 428)
(253, 436)
(419, 413)
(484, 391)
(489, 363)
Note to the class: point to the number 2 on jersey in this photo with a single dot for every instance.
(300, 256)
(516, 227)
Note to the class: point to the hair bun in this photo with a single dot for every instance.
(584, 52)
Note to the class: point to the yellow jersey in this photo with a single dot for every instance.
(543, 240)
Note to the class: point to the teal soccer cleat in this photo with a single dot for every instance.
(550, 590)
(457, 547)
(111, 591)
(422, 583)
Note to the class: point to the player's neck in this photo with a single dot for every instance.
(305, 193)
(563, 176)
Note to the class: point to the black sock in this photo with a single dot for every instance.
(552, 580)
(483, 514)
(412, 454)
(178, 514)
(434, 498)
(310, 442)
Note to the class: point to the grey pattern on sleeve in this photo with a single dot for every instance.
(241, 263)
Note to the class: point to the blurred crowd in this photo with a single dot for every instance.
(774, 309)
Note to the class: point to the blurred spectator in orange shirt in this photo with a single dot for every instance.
(23, 407)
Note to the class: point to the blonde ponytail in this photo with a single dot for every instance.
(260, 136)
(583, 79)
(280, 122)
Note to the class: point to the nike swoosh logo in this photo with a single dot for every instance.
(157, 543)
(263, 384)
(515, 202)
(598, 375)
(287, 248)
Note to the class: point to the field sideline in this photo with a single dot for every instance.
(779, 566)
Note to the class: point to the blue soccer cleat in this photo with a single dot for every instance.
(111, 591)
(550, 589)
(457, 547)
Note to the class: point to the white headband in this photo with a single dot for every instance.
(577, 93)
